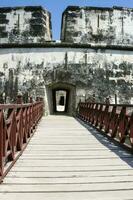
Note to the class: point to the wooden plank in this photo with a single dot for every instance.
(109, 195)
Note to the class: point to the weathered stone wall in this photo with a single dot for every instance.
(97, 25)
(25, 25)
(102, 65)
(103, 72)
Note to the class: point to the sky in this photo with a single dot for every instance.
(56, 7)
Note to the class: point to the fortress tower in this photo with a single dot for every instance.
(31, 24)
(100, 26)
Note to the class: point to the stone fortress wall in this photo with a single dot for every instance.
(83, 66)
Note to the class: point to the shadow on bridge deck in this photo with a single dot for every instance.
(110, 144)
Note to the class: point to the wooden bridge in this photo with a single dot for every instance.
(67, 158)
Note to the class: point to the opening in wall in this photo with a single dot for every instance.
(60, 100)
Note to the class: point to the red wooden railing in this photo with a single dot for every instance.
(114, 120)
(17, 125)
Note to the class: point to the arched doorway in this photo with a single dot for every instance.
(61, 98)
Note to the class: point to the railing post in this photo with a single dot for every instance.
(19, 99)
(1, 143)
(122, 124)
(31, 100)
(130, 129)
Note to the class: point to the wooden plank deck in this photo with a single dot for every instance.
(65, 161)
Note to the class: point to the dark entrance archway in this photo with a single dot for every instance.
(61, 95)
(60, 100)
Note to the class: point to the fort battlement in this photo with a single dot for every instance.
(30, 24)
(95, 25)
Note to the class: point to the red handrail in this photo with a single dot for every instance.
(17, 125)
(116, 120)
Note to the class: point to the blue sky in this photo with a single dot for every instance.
(56, 7)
